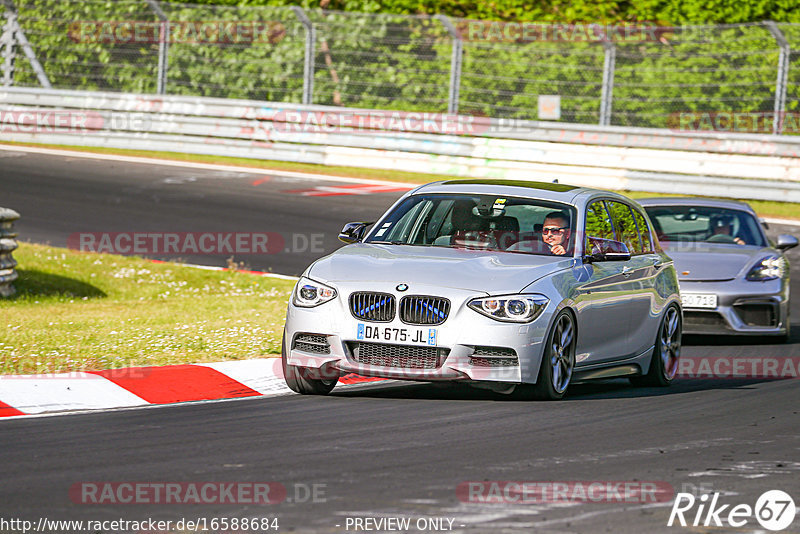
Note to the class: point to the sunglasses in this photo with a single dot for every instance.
(554, 230)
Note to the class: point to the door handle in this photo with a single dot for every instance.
(626, 271)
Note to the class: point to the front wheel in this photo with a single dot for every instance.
(558, 362)
(302, 380)
(666, 353)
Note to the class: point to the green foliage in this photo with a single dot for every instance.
(390, 60)
(668, 12)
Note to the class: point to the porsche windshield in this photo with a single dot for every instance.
(482, 222)
(705, 223)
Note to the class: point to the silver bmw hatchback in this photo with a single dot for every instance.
(518, 287)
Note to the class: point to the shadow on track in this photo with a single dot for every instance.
(732, 340)
(598, 389)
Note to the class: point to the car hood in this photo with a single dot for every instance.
(696, 262)
(490, 272)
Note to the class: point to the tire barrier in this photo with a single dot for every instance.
(8, 244)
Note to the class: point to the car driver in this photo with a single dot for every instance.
(556, 232)
(724, 226)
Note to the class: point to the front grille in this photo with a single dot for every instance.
(421, 310)
(692, 318)
(377, 307)
(401, 356)
(315, 343)
(757, 314)
(494, 357)
(493, 362)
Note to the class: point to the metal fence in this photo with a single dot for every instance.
(637, 75)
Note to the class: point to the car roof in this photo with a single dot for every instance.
(521, 188)
(695, 201)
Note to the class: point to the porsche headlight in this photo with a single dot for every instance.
(770, 268)
(510, 308)
(308, 293)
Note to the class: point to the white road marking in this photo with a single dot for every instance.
(216, 268)
(752, 469)
(788, 222)
(195, 165)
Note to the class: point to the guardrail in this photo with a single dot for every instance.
(8, 245)
(748, 166)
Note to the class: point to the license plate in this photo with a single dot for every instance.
(391, 334)
(698, 300)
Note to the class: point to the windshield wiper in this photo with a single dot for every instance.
(388, 242)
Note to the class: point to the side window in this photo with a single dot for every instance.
(598, 224)
(625, 226)
(644, 232)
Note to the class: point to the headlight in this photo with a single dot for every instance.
(308, 293)
(770, 268)
(510, 308)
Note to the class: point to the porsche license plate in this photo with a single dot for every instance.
(699, 300)
(391, 334)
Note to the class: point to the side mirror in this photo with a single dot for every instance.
(353, 232)
(785, 242)
(606, 250)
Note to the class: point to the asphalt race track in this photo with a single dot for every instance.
(378, 450)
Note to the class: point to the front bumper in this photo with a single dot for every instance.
(468, 346)
(754, 308)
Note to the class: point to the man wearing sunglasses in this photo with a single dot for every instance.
(556, 232)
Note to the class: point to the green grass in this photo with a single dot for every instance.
(85, 311)
(765, 208)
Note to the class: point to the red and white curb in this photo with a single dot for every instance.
(22, 395)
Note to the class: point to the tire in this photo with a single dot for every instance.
(666, 352)
(558, 362)
(301, 379)
(779, 339)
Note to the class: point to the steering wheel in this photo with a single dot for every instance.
(722, 238)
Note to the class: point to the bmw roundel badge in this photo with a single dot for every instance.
(402, 287)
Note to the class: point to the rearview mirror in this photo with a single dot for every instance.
(606, 250)
(785, 242)
(353, 232)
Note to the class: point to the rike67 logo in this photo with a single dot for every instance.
(774, 510)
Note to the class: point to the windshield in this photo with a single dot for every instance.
(482, 222)
(704, 223)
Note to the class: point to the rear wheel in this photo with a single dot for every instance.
(558, 362)
(303, 379)
(666, 353)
